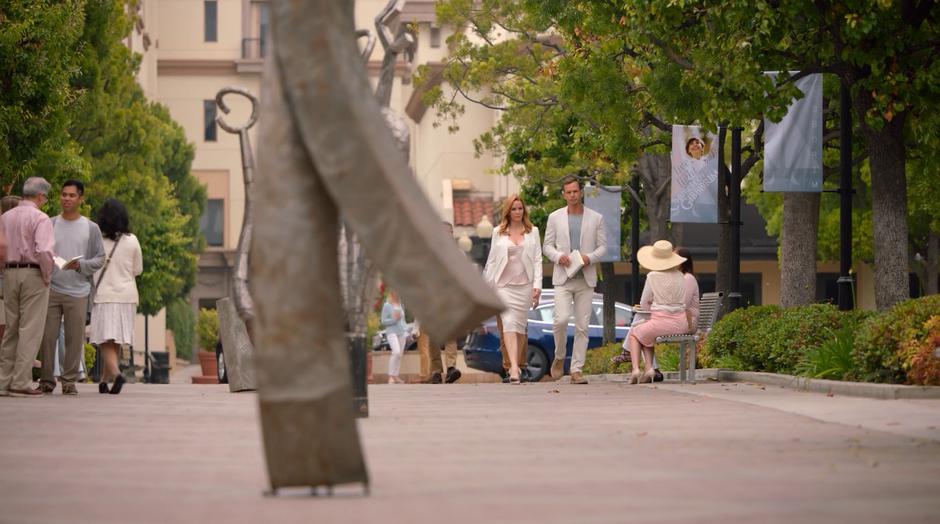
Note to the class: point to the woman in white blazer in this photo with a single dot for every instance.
(514, 269)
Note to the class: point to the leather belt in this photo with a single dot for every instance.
(22, 265)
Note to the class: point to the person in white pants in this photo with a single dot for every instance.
(573, 229)
(393, 320)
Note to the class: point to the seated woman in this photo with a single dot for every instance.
(664, 297)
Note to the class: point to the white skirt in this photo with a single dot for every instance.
(518, 301)
(112, 322)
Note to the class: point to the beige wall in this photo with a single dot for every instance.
(182, 35)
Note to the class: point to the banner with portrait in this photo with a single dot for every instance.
(694, 175)
(606, 201)
(793, 146)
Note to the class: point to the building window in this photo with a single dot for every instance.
(212, 221)
(210, 133)
(435, 37)
(211, 17)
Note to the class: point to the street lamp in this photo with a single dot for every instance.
(464, 243)
(485, 234)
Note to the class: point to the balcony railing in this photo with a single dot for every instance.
(254, 48)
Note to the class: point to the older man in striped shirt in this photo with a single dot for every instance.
(27, 273)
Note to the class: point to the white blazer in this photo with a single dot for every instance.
(499, 257)
(558, 243)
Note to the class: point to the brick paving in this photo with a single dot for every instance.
(550, 453)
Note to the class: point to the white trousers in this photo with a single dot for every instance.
(575, 291)
(397, 344)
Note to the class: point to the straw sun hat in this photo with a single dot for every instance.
(659, 256)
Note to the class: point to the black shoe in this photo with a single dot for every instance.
(524, 374)
(657, 376)
(435, 378)
(102, 387)
(118, 384)
(504, 376)
(453, 375)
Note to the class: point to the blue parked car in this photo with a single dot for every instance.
(482, 349)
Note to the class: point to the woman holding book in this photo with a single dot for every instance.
(514, 269)
(112, 317)
(664, 297)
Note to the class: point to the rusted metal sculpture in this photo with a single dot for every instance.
(240, 292)
(237, 313)
(327, 153)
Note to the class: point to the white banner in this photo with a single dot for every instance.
(607, 203)
(694, 175)
(793, 147)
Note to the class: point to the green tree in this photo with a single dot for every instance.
(138, 155)
(38, 55)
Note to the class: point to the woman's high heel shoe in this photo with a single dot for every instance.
(647, 377)
(516, 379)
(635, 377)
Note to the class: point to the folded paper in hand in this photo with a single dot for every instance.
(61, 262)
(577, 262)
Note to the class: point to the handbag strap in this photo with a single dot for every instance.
(107, 262)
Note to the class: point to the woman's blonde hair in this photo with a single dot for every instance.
(507, 207)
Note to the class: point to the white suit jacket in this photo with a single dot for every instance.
(558, 242)
(499, 256)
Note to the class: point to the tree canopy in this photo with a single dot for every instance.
(126, 147)
(607, 78)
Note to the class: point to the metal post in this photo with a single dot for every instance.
(635, 242)
(357, 361)
(845, 282)
(734, 198)
(147, 348)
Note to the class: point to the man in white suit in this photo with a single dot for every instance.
(572, 228)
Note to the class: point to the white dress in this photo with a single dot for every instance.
(515, 290)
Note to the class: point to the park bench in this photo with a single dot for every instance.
(709, 306)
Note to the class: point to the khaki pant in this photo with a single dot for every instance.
(25, 298)
(72, 310)
(438, 365)
(435, 364)
(522, 344)
(575, 290)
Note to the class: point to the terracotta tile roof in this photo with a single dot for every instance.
(468, 211)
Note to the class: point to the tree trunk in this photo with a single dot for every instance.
(798, 239)
(889, 206)
(656, 175)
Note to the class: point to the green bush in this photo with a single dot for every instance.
(207, 329)
(735, 336)
(88, 355)
(832, 359)
(597, 361)
(920, 357)
(879, 347)
(774, 339)
(180, 320)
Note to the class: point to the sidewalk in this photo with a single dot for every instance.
(462, 453)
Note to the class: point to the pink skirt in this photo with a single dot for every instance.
(660, 323)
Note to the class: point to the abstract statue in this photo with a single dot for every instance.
(237, 313)
(326, 153)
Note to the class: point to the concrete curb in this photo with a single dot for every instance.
(834, 387)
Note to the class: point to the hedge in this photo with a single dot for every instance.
(886, 345)
(896, 346)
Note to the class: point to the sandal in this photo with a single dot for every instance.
(621, 358)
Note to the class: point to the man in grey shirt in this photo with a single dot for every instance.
(71, 286)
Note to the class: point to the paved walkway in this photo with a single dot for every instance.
(550, 453)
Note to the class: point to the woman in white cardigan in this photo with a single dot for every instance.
(514, 269)
(112, 317)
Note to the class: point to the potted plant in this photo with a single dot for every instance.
(207, 332)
